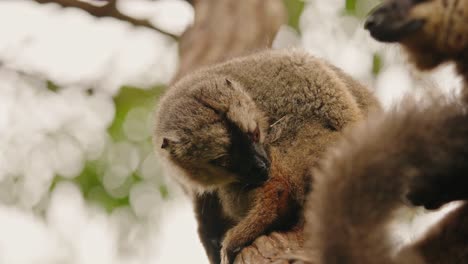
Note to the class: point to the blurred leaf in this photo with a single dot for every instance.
(294, 8)
(89, 182)
(350, 6)
(52, 86)
(128, 98)
(164, 191)
(100, 197)
(90, 178)
(376, 64)
(359, 8)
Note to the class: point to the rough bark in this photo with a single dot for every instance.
(225, 29)
(228, 28)
(277, 248)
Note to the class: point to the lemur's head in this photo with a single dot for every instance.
(214, 132)
(433, 31)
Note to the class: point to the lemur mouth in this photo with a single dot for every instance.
(390, 21)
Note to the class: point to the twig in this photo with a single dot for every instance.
(192, 2)
(107, 10)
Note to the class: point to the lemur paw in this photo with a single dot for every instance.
(428, 191)
(230, 248)
(229, 255)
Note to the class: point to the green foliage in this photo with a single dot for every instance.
(294, 8)
(93, 190)
(164, 191)
(52, 86)
(128, 98)
(89, 182)
(350, 6)
(359, 8)
(376, 64)
(90, 179)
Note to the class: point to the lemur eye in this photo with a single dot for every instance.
(255, 135)
(222, 161)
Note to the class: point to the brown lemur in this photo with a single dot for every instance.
(379, 166)
(415, 153)
(215, 127)
(433, 32)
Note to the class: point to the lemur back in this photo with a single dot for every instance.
(216, 126)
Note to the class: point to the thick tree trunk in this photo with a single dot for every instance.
(225, 29)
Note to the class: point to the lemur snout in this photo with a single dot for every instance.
(390, 21)
(260, 168)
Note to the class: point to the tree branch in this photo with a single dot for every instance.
(108, 10)
(192, 2)
(277, 247)
(224, 29)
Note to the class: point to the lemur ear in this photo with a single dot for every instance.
(228, 82)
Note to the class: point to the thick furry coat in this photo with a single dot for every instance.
(288, 101)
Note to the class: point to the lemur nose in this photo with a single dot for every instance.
(262, 163)
(373, 20)
(391, 21)
(260, 170)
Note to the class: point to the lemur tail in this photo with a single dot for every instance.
(365, 179)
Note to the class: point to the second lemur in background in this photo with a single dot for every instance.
(414, 154)
(216, 126)
(406, 155)
(432, 32)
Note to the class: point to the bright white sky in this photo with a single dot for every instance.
(79, 51)
(98, 52)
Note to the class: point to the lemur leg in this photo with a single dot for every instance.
(212, 224)
(272, 205)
